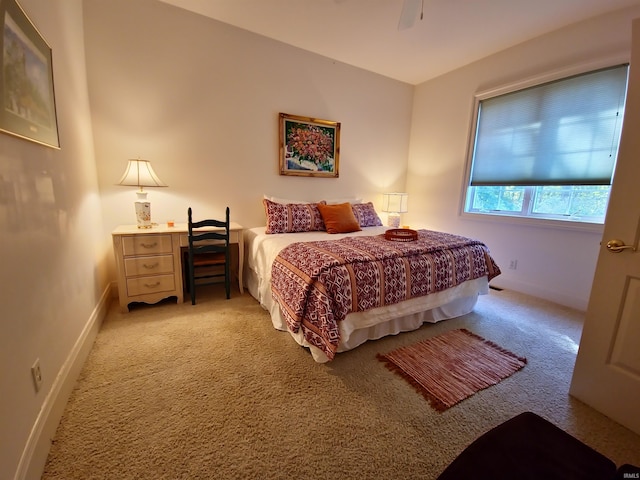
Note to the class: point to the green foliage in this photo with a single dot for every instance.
(550, 201)
(508, 199)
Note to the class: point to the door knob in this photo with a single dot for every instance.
(616, 246)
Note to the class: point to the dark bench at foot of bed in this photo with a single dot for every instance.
(529, 447)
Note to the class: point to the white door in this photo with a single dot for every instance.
(607, 370)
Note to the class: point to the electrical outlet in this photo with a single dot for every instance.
(36, 373)
(513, 264)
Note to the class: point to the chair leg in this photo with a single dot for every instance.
(227, 277)
(192, 284)
(187, 281)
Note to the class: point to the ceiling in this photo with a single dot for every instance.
(365, 33)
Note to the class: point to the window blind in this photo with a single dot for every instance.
(564, 132)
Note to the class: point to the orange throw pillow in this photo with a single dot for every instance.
(339, 218)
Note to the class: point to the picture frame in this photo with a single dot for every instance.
(26, 86)
(309, 147)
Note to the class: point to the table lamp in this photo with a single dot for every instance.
(139, 173)
(394, 204)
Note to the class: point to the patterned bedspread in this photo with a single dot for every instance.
(316, 284)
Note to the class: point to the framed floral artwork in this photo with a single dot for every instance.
(309, 147)
(26, 86)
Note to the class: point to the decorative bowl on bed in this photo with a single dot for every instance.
(401, 235)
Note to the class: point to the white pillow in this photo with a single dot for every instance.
(336, 201)
(284, 201)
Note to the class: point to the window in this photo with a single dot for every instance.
(548, 150)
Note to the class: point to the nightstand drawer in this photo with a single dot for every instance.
(146, 244)
(153, 284)
(156, 264)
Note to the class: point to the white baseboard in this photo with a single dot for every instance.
(34, 455)
(561, 298)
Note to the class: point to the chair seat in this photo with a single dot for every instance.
(206, 259)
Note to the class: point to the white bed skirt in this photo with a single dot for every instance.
(359, 327)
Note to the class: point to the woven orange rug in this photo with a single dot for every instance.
(453, 366)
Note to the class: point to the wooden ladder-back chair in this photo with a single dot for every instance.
(208, 248)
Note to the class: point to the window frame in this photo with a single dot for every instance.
(519, 218)
(530, 195)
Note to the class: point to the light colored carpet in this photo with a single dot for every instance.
(213, 391)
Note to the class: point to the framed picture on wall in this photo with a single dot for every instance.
(309, 147)
(26, 85)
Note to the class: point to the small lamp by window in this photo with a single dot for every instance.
(394, 204)
(139, 173)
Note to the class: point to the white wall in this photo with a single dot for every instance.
(53, 273)
(557, 264)
(200, 99)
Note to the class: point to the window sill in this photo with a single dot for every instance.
(535, 222)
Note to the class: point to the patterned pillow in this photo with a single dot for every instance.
(366, 215)
(292, 217)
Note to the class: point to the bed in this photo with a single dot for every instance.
(313, 303)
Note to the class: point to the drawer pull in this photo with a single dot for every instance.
(150, 267)
(149, 245)
(152, 285)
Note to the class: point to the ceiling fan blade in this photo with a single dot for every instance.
(410, 10)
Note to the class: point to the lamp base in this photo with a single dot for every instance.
(143, 214)
(393, 219)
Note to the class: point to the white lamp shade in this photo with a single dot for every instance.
(395, 202)
(139, 173)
